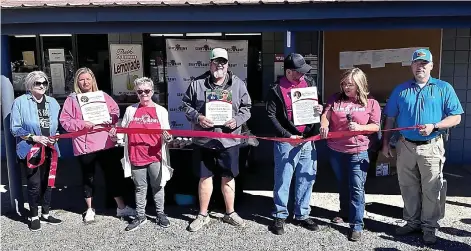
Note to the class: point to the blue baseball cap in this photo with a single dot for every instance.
(422, 54)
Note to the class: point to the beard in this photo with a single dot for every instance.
(219, 73)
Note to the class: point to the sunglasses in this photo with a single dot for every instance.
(219, 61)
(39, 83)
(143, 91)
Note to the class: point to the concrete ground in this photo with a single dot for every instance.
(383, 214)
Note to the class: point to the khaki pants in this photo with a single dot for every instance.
(419, 169)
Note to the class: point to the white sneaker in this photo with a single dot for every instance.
(89, 216)
(125, 212)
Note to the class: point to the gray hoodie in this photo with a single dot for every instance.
(194, 102)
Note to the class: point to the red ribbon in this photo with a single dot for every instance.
(181, 133)
(53, 168)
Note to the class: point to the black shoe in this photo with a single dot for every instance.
(50, 220)
(278, 226)
(308, 224)
(35, 225)
(162, 220)
(136, 223)
(354, 236)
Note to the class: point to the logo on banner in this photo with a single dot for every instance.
(234, 49)
(177, 109)
(173, 63)
(180, 94)
(199, 64)
(175, 124)
(204, 48)
(178, 47)
(171, 79)
(189, 80)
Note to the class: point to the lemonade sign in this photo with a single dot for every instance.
(126, 66)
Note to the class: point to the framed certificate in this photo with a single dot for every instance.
(218, 106)
(94, 107)
(303, 102)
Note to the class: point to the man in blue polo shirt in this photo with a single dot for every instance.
(433, 104)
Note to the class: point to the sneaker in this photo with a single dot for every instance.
(198, 223)
(50, 220)
(125, 212)
(429, 237)
(308, 224)
(338, 220)
(233, 219)
(406, 229)
(278, 226)
(162, 220)
(35, 224)
(89, 216)
(136, 223)
(354, 236)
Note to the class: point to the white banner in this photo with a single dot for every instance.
(126, 66)
(189, 59)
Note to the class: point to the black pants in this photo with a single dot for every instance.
(37, 179)
(110, 162)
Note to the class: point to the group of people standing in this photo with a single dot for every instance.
(423, 100)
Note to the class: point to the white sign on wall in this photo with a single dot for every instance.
(56, 55)
(126, 66)
(189, 59)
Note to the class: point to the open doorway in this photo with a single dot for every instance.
(93, 53)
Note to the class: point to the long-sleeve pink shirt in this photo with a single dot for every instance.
(71, 120)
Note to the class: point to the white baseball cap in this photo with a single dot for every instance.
(219, 53)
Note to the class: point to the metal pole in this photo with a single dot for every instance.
(14, 173)
(7, 97)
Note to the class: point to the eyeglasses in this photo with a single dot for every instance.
(219, 61)
(143, 91)
(39, 83)
(348, 85)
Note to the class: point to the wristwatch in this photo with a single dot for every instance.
(435, 127)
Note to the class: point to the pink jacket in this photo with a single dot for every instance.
(71, 120)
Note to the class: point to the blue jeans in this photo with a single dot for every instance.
(351, 171)
(302, 162)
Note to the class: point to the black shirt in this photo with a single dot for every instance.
(43, 113)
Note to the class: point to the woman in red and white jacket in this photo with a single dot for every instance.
(146, 154)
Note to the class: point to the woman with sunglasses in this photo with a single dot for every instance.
(34, 118)
(146, 154)
(95, 147)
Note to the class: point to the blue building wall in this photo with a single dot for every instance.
(456, 69)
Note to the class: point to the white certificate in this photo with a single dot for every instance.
(218, 106)
(303, 101)
(94, 108)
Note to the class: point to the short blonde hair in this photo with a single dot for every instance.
(81, 71)
(32, 77)
(358, 77)
(144, 81)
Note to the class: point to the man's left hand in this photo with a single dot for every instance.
(231, 124)
(426, 130)
(318, 109)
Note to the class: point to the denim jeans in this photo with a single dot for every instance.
(351, 171)
(300, 161)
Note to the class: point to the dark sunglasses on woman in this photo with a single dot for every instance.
(143, 91)
(45, 83)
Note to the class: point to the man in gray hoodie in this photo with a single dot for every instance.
(215, 155)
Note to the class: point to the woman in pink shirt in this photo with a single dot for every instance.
(351, 110)
(146, 155)
(96, 147)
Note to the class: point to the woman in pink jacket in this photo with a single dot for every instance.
(96, 147)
